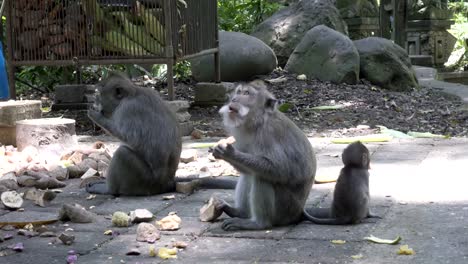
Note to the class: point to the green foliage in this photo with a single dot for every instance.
(244, 15)
(43, 77)
(460, 28)
(181, 71)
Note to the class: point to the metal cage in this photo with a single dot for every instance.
(98, 32)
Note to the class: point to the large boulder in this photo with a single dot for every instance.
(327, 55)
(386, 64)
(241, 57)
(285, 29)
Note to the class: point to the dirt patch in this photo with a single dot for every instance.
(421, 110)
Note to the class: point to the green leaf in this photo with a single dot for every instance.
(285, 107)
(393, 133)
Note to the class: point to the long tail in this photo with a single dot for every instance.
(226, 182)
(326, 221)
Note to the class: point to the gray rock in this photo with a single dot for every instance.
(357, 8)
(285, 29)
(327, 55)
(241, 57)
(385, 64)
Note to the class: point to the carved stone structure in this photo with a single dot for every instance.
(428, 42)
(362, 17)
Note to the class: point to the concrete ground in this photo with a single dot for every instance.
(418, 186)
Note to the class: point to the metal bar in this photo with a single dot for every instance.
(11, 66)
(170, 80)
(201, 53)
(217, 61)
(169, 47)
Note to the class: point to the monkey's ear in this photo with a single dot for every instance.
(270, 103)
(259, 84)
(120, 93)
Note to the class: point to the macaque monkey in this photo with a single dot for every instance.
(274, 157)
(351, 196)
(146, 162)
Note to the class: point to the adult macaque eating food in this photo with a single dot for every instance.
(146, 162)
(275, 159)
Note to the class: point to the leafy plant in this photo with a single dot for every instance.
(244, 15)
(460, 29)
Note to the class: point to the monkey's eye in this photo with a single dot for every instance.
(246, 93)
(238, 92)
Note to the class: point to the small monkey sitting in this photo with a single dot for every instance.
(274, 157)
(351, 196)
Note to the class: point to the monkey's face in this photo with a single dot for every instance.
(110, 93)
(241, 101)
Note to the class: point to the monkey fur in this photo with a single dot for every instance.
(147, 160)
(274, 157)
(351, 196)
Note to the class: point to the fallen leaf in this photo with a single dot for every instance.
(285, 107)
(405, 250)
(393, 133)
(338, 242)
(364, 139)
(425, 135)
(383, 241)
(328, 107)
(169, 197)
(277, 80)
(166, 253)
(357, 256)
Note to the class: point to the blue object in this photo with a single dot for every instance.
(4, 90)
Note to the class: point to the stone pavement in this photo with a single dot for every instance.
(418, 186)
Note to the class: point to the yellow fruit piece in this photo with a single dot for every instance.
(167, 253)
(108, 232)
(338, 241)
(405, 250)
(152, 251)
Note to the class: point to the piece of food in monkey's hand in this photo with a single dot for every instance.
(209, 212)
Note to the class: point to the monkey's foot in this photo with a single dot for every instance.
(371, 215)
(97, 187)
(233, 224)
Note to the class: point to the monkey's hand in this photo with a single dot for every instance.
(224, 151)
(94, 115)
